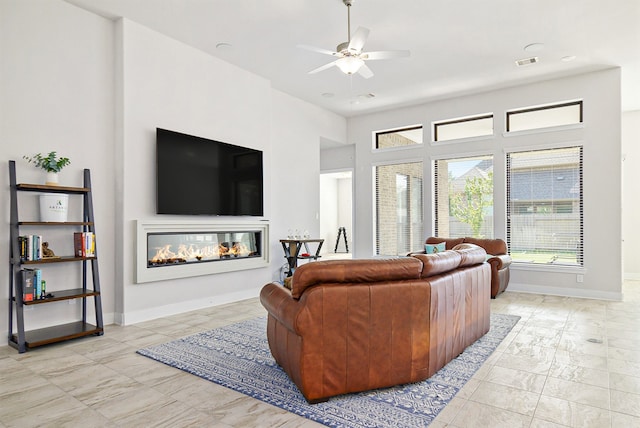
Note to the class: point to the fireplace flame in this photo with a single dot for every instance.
(191, 253)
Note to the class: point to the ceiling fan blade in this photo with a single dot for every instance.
(365, 71)
(322, 68)
(358, 40)
(315, 49)
(385, 55)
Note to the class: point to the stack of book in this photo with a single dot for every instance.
(84, 244)
(33, 287)
(30, 247)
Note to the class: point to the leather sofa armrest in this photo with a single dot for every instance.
(499, 262)
(278, 302)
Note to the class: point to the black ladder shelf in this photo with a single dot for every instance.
(23, 340)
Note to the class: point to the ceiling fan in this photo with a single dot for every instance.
(351, 58)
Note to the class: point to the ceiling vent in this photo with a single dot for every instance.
(527, 61)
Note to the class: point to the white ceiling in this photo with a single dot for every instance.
(457, 46)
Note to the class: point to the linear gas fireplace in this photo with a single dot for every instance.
(169, 250)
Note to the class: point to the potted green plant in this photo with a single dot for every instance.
(51, 163)
(53, 206)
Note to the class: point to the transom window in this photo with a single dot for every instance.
(545, 116)
(477, 126)
(399, 137)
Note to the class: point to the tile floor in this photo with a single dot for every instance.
(567, 363)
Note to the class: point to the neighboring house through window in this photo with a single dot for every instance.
(464, 197)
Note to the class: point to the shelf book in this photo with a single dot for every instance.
(28, 285)
(30, 247)
(84, 244)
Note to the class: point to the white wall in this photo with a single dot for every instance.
(170, 85)
(57, 93)
(95, 90)
(631, 202)
(600, 137)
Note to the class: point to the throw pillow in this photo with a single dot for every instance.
(435, 248)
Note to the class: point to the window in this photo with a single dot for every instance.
(544, 206)
(398, 192)
(399, 137)
(544, 117)
(477, 126)
(464, 197)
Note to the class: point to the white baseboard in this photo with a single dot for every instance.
(632, 276)
(566, 292)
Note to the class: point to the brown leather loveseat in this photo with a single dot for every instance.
(498, 258)
(354, 325)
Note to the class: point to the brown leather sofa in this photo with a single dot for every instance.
(498, 258)
(355, 325)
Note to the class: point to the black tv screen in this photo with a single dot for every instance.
(198, 176)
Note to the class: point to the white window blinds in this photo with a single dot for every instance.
(544, 206)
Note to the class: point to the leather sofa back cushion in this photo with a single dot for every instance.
(450, 242)
(491, 246)
(471, 254)
(356, 270)
(434, 264)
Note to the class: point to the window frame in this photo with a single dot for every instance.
(510, 113)
(377, 134)
(458, 157)
(579, 265)
(410, 182)
(436, 124)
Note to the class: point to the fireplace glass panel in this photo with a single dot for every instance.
(165, 249)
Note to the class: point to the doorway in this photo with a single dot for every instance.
(336, 214)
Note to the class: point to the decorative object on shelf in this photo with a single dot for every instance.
(48, 252)
(51, 163)
(54, 207)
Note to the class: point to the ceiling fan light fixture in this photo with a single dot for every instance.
(349, 64)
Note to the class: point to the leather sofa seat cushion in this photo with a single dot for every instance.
(354, 271)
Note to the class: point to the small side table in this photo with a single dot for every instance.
(292, 252)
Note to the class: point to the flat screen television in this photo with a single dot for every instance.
(198, 176)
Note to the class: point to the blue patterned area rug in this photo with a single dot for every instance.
(238, 357)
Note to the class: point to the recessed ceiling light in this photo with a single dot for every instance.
(223, 45)
(369, 95)
(534, 47)
(568, 58)
(327, 94)
(527, 61)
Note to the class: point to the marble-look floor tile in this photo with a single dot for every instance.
(577, 392)
(624, 383)
(519, 379)
(506, 398)
(474, 415)
(545, 374)
(580, 374)
(625, 402)
(571, 414)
